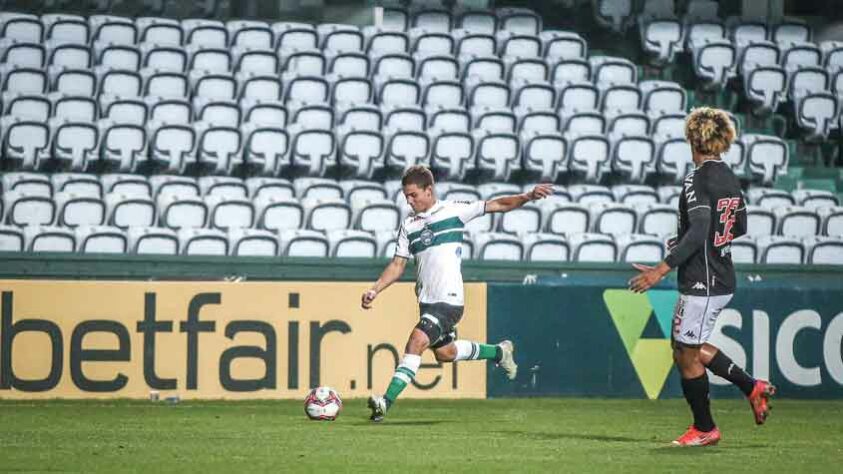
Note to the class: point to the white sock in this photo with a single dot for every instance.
(466, 350)
(412, 362)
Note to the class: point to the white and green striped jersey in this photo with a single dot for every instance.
(434, 239)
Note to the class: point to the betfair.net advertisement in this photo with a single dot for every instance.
(74, 339)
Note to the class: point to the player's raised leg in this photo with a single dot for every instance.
(758, 392)
(501, 354)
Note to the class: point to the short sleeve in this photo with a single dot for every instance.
(468, 210)
(403, 248)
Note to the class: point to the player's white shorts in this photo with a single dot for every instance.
(694, 317)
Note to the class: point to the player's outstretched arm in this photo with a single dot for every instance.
(390, 275)
(508, 203)
(691, 242)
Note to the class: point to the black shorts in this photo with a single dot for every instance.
(439, 321)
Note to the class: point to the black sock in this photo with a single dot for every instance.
(696, 393)
(498, 354)
(722, 366)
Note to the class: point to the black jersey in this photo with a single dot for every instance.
(712, 188)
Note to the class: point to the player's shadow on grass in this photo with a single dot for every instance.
(671, 450)
(545, 436)
(400, 423)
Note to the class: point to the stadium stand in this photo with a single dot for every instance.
(199, 136)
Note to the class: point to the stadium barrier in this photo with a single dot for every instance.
(76, 326)
(603, 340)
(81, 339)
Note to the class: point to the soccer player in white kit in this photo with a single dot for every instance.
(432, 235)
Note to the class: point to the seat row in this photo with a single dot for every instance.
(359, 244)
(364, 212)
(128, 31)
(366, 208)
(550, 46)
(492, 153)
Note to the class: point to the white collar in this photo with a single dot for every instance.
(435, 207)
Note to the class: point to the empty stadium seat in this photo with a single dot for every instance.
(744, 250)
(279, 213)
(824, 250)
(613, 218)
(498, 246)
(152, 240)
(634, 158)
(543, 247)
(635, 194)
(326, 214)
(780, 249)
(590, 156)
(587, 194)
(101, 239)
(178, 212)
(193, 241)
(25, 209)
(34, 184)
(49, 239)
(253, 243)
(225, 186)
(304, 243)
(226, 212)
(589, 247)
(832, 221)
(797, 222)
(660, 220)
(545, 155)
(11, 239)
(352, 243)
(815, 198)
(770, 198)
(77, 183)
(566, 219)
(24, 143)
(375, 215)
(320, 188)
(639, 248)
(760, 221)
(522, 221)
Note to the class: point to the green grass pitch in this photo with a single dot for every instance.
(505, 435)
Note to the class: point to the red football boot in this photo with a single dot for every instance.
(695, 437)
(758, 399)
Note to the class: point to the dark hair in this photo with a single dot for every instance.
(709, 131)
(418, 175)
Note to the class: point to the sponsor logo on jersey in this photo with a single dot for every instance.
(690, 333)
(699, 286)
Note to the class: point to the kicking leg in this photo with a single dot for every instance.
(695, 388)
(757, 391)
(501, 354)
(404, 374)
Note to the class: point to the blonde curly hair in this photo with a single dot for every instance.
(709, 131)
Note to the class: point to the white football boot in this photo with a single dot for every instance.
(507, 362)
(378, 406)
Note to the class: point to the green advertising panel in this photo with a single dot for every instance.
(602, 341)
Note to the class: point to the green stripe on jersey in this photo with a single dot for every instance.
(443, 238)
(444, 224)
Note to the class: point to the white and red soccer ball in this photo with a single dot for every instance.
(322, 404)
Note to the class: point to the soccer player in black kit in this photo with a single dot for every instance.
(712, 212)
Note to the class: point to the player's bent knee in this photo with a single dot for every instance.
(445, 354)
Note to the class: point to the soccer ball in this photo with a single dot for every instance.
(322, 404)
